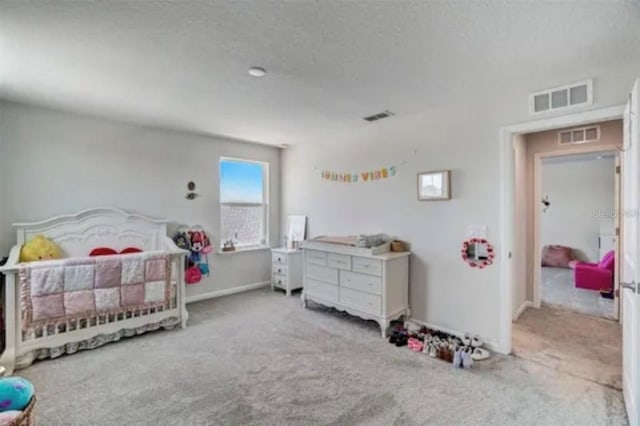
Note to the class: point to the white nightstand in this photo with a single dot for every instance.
(286, 269)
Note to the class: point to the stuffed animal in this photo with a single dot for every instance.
(196, 238)
(15, 393)
(39, 248)
(181, 240)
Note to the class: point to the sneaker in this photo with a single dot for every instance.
(467, 361)
(466, 340)
(476, 341)
(457, 358)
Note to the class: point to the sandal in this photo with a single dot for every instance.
(480, 354)
(415, 344)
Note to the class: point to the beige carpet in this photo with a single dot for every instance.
(584, 346)
(260, 359)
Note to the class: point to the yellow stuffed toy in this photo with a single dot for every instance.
(39, 248)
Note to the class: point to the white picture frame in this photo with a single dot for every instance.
(434, 185)
(296, 230)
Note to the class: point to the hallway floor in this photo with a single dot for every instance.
(557, 290)
(580, 345)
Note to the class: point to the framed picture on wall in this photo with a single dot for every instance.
(433, 186)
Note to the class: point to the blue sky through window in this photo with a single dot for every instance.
(241, 181)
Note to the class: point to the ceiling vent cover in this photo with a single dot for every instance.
(558, 98)
(579, 135)
(379, 116)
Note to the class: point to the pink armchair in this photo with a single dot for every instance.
(595, 276)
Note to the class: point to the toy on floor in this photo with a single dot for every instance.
(15, 393)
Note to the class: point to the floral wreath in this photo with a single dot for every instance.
(477, 263)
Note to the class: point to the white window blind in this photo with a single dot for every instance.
(244, 202)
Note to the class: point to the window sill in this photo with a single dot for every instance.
(244, 250)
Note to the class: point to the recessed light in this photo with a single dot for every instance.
(599, 157)
(257, 71)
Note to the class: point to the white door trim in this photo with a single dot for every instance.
(507, 206)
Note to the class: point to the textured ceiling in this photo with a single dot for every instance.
(184, 64)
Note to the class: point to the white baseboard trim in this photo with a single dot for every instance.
(525, 305)
(226, 292)
(491, 345)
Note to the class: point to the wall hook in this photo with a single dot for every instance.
(546, 203)
(191, 186)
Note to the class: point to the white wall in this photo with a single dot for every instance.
(575, 189)
(55, 162)
(461, 135)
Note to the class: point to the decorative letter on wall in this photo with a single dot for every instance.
(362, 176)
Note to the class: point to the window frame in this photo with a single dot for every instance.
(265, 202)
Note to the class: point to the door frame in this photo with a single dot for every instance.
(537, 216)
(507, 201)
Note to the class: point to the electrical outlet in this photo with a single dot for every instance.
(477, 231)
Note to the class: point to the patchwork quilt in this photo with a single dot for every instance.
(61, 290)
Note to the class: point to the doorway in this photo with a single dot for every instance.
(511, 271)
(567, 205)
(575, 245)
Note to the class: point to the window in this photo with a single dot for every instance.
(243, 202)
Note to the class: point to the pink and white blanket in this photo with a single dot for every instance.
(68, 289)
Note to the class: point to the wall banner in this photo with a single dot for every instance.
(363, 176)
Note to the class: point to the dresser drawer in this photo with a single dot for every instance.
(366, 265)
(279, 258)
(365, 302)
(325, 291)
(279, 280)
(280, 269)
(340, 261)
(322, 273)
(361, 282)
(316, 257)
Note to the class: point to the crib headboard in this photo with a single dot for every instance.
(77, 234)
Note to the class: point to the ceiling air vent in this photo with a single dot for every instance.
(579, 135)
(379, 116)
(573, 95)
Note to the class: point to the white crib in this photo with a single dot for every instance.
(76, 235)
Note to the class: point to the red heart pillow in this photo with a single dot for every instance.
(131, 250)
(102, 251)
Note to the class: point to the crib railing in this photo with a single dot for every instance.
(20, 342)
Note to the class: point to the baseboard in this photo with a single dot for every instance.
(525, 305)
(491, 345)
(226, 292)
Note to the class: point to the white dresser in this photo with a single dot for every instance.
(374, 287)
(286, 269)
